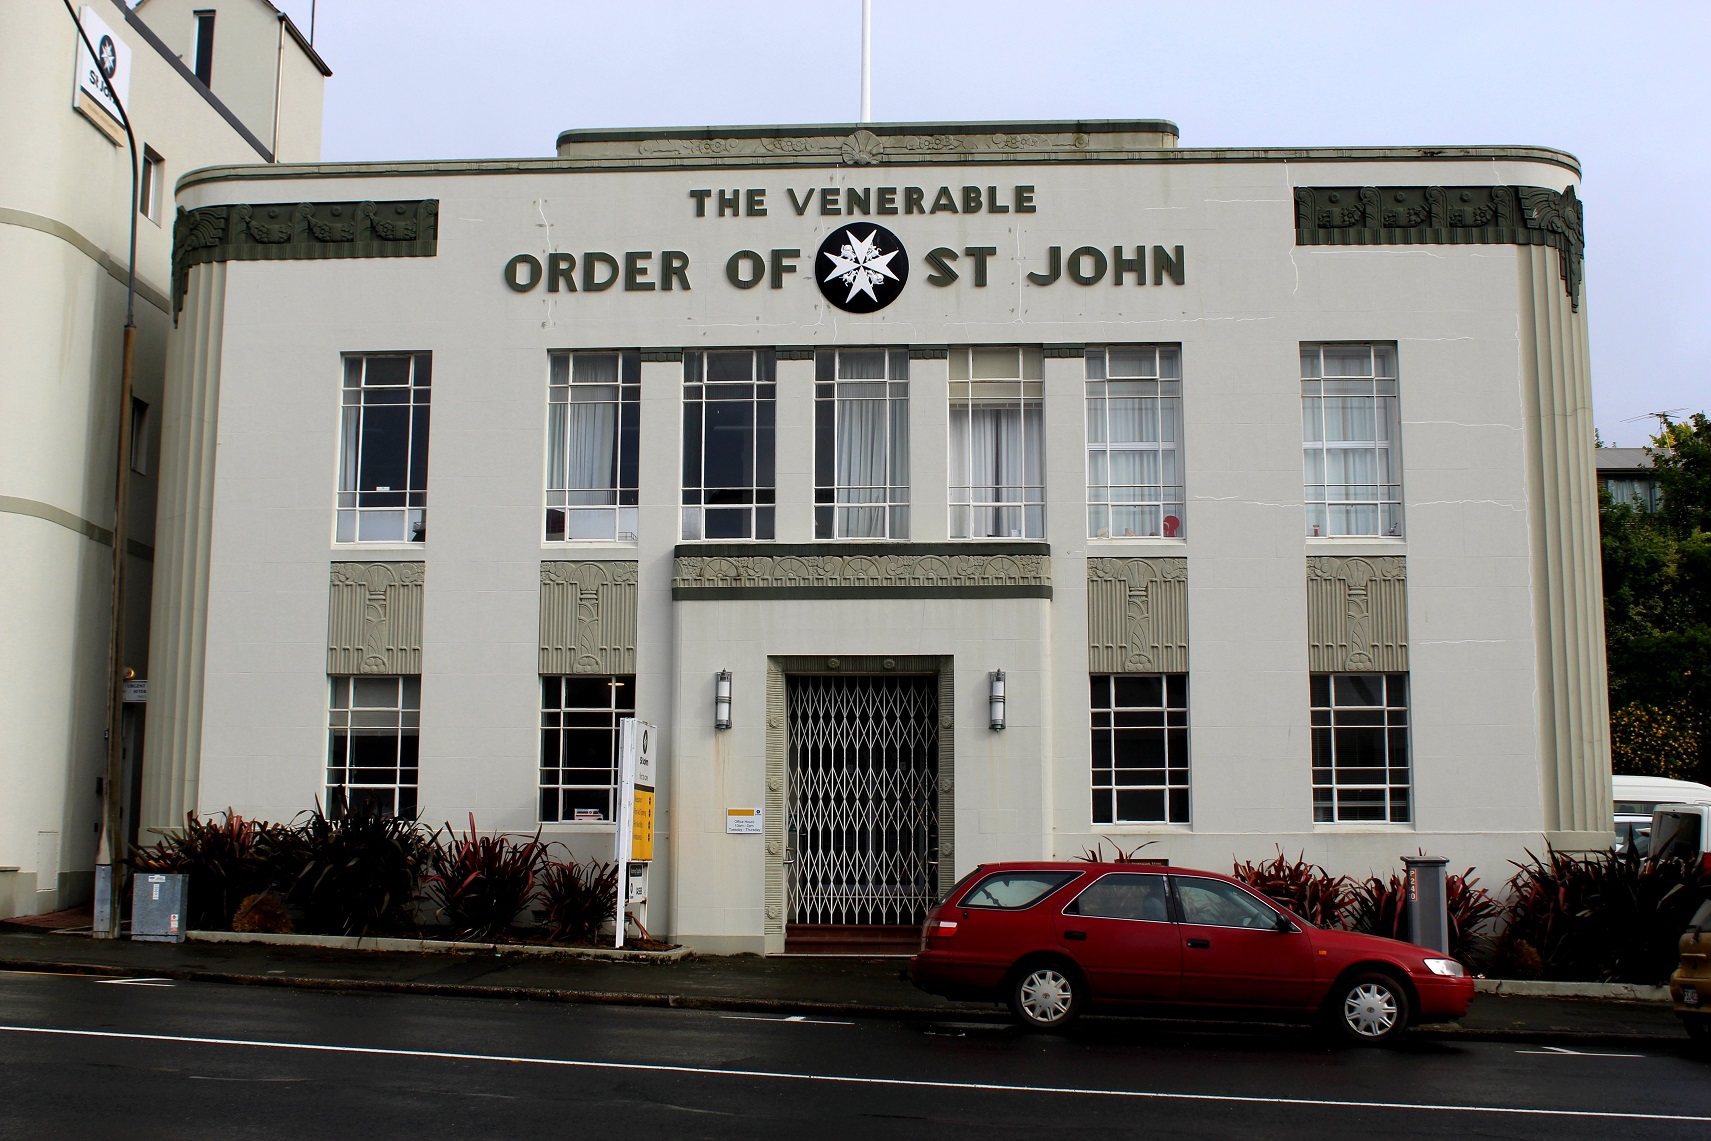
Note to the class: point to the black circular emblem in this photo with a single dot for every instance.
(109, 61)
(861, 267)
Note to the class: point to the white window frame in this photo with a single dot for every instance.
(704, 387)
(1113, 784)
(554, 804)
(150, 187)
(356, 708)
(1346, 791)
(1150, 375)
(1368, 421)
(997, 379)
(842, 508)
(594, 513)
(367, 515)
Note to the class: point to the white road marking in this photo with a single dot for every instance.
(134, 982)
(1565, 1052)
(846, 1079)
(800, 1019)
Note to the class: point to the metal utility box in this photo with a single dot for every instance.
(158, 907)
(1427, 902)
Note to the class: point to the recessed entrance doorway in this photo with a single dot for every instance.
(862, 803)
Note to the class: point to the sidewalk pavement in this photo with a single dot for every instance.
(785, 985)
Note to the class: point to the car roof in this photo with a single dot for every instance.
(1079, 866)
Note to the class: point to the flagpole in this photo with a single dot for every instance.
(867, 61)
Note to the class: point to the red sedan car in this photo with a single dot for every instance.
(1051, 938)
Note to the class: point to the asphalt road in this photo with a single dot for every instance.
(83, 1057)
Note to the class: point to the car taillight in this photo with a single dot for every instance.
(936, 928)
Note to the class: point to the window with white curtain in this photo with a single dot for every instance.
(373, 731)
(729, 417)
(1351, 440)
(593, 421)
(383, 449)
(1134, 458)
(997, 460)
(861, 444)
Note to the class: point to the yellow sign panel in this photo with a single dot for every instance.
(642, 826)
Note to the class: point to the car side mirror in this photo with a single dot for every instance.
(1284, 926)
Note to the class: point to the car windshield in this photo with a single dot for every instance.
(1014, 890)
(1675, 836)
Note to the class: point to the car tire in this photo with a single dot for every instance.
(1698, 1028)
(1368, 1009)
(1046, 996)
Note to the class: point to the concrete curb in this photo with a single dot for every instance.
(1538, 988)
(807, 1007)
(375, 943)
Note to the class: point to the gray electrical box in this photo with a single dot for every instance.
(158, 907)
(1427, 904)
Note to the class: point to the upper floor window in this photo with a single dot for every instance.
(997, 455)
(202, 52)
(1134, 462)
(1351, 440)
(593, 427)
(1360, 748)
(1638, 491)
(729, 398)
(151, 184)
(383, 449)
(861, 444)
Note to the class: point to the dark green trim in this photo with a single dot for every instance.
(1173, 155)
(794, 353)
(1065, 351)
(731, 593)
(823, 130)
(293, 231)
(929, 352)
(811, 550)
(662, 356)
(1446, 215)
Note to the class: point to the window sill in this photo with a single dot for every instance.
(1123, 545)
(1379, 544)
(1136, 828)
(592, 827)
(589, 544)
(380, 546)
(1363, 826)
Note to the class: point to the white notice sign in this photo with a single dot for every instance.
(744, 822)
(110, 68)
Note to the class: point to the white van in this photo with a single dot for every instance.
(1636, 798)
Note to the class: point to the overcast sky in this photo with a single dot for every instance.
(1623, 86)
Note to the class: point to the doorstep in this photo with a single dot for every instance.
(1541, 988)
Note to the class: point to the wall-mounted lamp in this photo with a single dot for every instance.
(995, 701)
(722, 700)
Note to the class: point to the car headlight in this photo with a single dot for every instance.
(1445, 967)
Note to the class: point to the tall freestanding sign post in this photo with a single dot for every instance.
(634, 840)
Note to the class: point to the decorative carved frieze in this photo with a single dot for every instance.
(1357, 614)
(374, 618)
(1137, 615)
(588, 618)
(829, 573)
(284, 231)
(1446, 215)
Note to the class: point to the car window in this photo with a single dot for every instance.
(1124, 895)
(1014, 890)
(1675, 835)
(1214, 903)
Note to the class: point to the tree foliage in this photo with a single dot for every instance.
(1657, 611)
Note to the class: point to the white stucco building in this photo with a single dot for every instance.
(204, 82)
(1264, 478)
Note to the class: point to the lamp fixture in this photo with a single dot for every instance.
(995, 701)
(722, 700)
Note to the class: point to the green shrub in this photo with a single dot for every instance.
(481, 883)
(358, 872)
(227, 859)
(1379, 907)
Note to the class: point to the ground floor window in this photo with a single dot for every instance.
(373, 735)
(1140, 748)
(579, 744)
(1360, 748)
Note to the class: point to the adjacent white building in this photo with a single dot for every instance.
(1257, 482)
(191, 77)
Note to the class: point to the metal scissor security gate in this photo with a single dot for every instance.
(862, 806)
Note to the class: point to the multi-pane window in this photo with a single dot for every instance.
(593, 430)
(1140, 748)
(1360, 748)
(1351, 439)
(383, 449)
(579, 744)
(997, 462)
(372, 744)
(1639, 492)
(728, 416)
(861, 444)
(1134, 461)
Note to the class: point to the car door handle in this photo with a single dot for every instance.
(1201, 943)
(1082, 935)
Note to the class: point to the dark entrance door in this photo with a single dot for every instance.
(861, 814)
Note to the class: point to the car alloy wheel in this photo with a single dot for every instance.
(1045, 998)
(1372, 1009)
